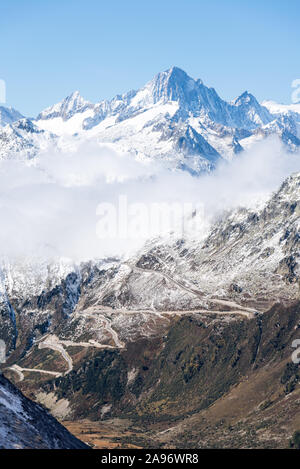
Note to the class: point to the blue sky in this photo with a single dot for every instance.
(50, 48)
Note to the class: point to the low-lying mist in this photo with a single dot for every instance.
(48, 206)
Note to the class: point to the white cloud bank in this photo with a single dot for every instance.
(48, 206)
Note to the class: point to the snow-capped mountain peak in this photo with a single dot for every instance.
(152, 123)
(67, 108)
(8, 115)
(250, 111)
(194, 97)
(246, 98)
(172, 85)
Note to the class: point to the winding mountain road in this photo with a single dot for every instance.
(19, 370)
(235, 308)
(52, 342)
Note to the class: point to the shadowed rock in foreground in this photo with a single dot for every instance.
(26, 425)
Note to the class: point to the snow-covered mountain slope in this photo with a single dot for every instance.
(23, 140)
(192, 98)
(248, 261)
(8, 115)
(277, 108)
(250, 257)
(57, 318)
(26, 425)
(67, 108)
(173, 118)
(288, 115)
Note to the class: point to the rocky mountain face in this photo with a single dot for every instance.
(23, 140)
(173, 118)
(201, 380)
(249, 256)
(248, 261)
(26, 425)
(203, 383)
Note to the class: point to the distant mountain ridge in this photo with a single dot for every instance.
(66, 108)
(173, 118)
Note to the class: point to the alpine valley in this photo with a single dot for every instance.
(186, 342)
